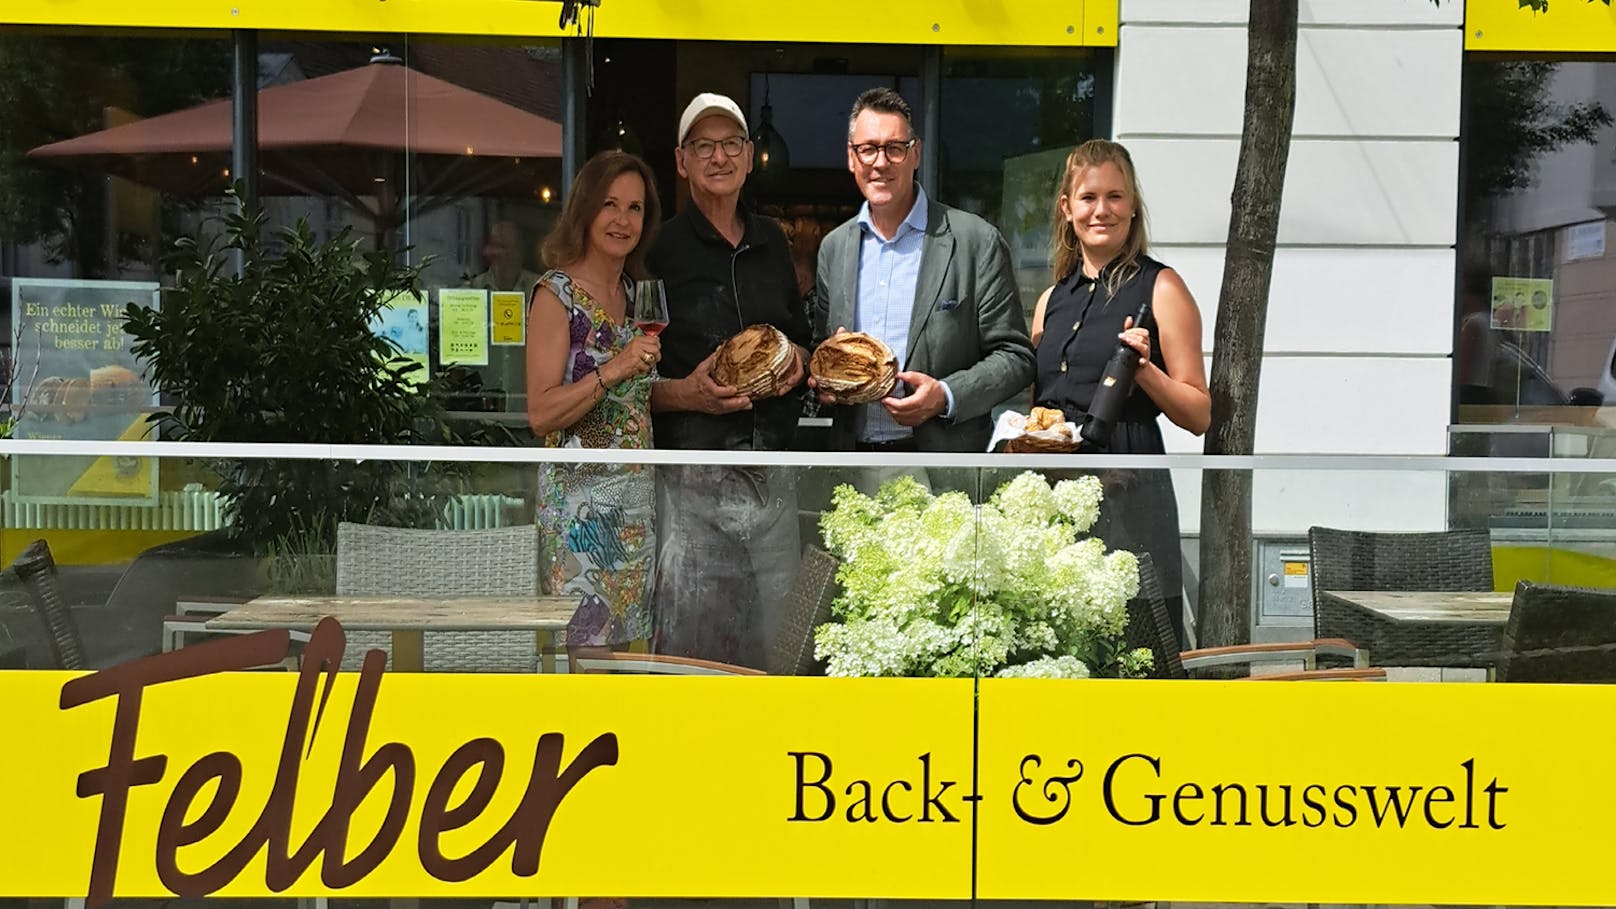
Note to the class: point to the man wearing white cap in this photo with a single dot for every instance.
(728, 536)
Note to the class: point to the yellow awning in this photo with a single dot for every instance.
(1071, 23)
(1564, 26)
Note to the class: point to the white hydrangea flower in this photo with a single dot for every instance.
(851, 521)
(947, 515)
(1078, 501)
(1026, 500)
(1111, 588)
(1038, 636)
(1061, 667)
(976, 557)
(877, 647)
(1027, 550)
(934, 585)
(995, 534)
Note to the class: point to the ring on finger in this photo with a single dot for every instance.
(646, 357)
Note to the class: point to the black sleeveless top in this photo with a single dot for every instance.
(1081, 324)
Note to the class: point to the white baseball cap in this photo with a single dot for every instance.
(709, 103)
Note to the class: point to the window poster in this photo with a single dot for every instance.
(509, 314)
(403, 320)
(73, 378)
(463, 327)
(1523, 304)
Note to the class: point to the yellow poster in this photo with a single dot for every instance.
(463, 327)
(509, 324)
(120, 475)
(1523, 304)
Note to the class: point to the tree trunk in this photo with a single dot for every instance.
(1224, 605)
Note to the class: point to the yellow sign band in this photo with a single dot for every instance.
(1089, 22)
(173, 774)
(1565, 26)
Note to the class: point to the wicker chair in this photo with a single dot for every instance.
(791, 652)
(398, 561)
(37, 571)
(1359, 560)
(1149, 626)
(807, 607)
(1559, 634)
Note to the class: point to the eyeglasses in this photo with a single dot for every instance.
(704, 148)
(895, 151)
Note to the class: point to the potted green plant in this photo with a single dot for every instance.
(260, 341)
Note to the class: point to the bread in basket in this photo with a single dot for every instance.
(1044, 431)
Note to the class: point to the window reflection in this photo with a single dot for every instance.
(1039, 104)
(1536, 324)
(446, 154)
(93, 215)
(1535, 347)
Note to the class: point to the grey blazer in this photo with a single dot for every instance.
(967, 329)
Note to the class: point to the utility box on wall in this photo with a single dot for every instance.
(1284, 590)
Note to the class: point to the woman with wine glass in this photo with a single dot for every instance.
(589, 369)
(1105, 281)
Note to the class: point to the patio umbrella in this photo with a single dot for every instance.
(390, 142)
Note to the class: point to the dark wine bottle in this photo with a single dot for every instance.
(1116, 384)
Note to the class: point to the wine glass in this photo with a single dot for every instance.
(650, 313)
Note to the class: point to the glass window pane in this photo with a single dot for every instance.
(1009, 118)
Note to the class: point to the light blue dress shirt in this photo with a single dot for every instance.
(888, 272)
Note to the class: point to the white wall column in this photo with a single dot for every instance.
(1360, 323)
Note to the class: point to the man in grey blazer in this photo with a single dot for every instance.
(932, 282)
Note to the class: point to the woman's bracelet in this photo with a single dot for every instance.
(601, 382)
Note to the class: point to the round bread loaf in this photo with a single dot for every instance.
(756, 361)
(854, 368)
(116, 385)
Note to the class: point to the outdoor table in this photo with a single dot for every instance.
(407, 618)
(1446, 628)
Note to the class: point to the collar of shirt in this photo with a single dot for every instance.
(706, 232)
(915, 220)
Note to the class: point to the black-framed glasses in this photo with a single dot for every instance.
(704, 148)
(895, 151)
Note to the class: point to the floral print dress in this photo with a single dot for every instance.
(597, 518)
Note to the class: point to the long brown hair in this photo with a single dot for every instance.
(1068, 255)
(569, 239)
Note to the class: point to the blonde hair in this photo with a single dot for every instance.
(1068, 254)
(569, 239)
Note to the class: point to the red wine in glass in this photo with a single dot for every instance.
(650, 327)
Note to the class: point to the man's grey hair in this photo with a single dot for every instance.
(883, 101)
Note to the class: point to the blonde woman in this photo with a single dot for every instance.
(1103, 275)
